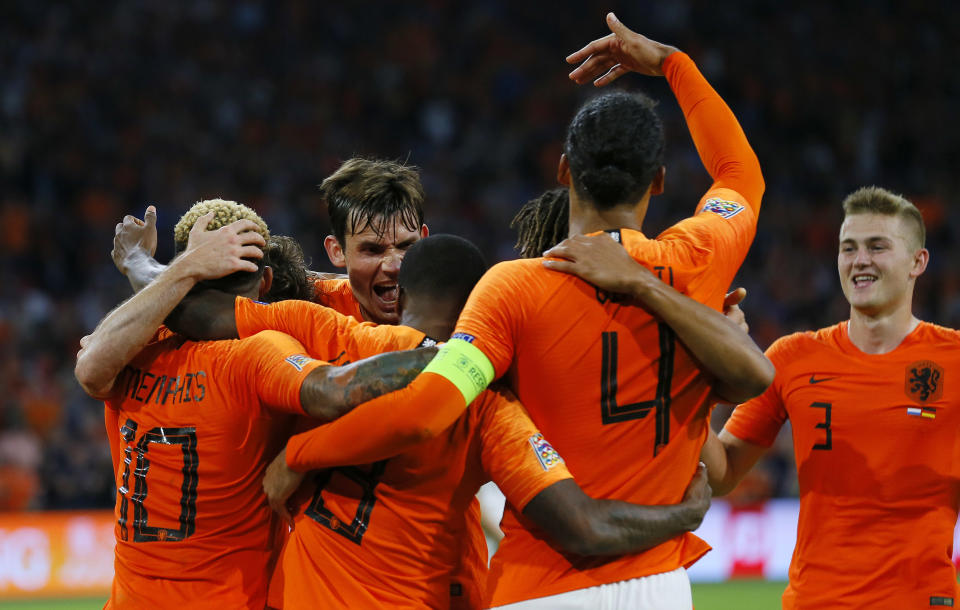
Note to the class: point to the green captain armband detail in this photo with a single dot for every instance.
(463, 365)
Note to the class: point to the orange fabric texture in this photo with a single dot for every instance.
(619, 397)
(389, 534)
(337, 294)
(327, 334)
(191, 436)
(875, 441)
(339, 339)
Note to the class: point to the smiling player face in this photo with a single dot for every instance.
(878, 262)
(372, 258)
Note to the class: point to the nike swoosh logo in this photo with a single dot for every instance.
(813, 379)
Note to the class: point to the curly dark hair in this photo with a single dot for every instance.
(614, 146)
(285, 256)
(542, 222)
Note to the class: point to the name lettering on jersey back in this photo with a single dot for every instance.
(144, 386)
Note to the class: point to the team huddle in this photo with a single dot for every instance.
(288, 439)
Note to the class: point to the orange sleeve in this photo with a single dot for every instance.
(336, 293)
(278, 364)
(514, 453)
(380, 428)
(720, 141)
(494, 312)
(325, 333)
(759, 420)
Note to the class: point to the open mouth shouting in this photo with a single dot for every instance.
(386, 295)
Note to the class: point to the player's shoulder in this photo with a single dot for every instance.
(806, 343)
(939, 337)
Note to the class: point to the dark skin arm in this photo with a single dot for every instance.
(583, 525)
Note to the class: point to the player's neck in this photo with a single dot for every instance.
(881, 333)
(586, 219)
(436, 321)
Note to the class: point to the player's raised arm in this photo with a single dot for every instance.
(128, 328)
(719, 139)
(724, 350)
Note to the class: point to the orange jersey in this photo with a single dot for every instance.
(337, 294)
(390, 534)
(875, 440)
(608, 384)
(338, 339)
(192, 428)
(326, 334)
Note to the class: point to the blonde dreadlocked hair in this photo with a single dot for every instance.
(225, 212)
(542, 222)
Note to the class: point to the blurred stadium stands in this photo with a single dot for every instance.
(108, 106)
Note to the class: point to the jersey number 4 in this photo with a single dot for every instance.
(142, 531)
(611, 412)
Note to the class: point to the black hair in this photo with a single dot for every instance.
(443, 267)
(614, 146)
(373, 193)
(285, 256)
(542, 222)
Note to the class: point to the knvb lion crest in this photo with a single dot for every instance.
(923, 382)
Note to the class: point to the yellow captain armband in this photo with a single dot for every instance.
(463, 365)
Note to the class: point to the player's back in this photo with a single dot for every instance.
(617, 394)
(392, 534)
(190, 443)
(875, 441)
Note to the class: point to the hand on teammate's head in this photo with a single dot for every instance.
(218, 253)
(606, 59)
(133, 236)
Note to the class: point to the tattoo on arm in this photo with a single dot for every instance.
(331, 392)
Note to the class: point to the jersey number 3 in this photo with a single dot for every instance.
(611, 412)
(142, 532)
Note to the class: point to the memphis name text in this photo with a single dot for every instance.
(143, 386)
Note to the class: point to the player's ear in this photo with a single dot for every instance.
(920, 260)
(424, 231)
(563, 171)
(334, 251)
(266, 281)
(659, 179)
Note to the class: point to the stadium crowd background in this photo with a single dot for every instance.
(105, 107)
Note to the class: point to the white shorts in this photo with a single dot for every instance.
(667, 591)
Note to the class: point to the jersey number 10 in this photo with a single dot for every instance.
(142, 532)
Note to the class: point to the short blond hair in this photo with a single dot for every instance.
(877, 200)
(225, 212)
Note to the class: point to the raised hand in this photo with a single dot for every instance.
(134, 237)
(214, 254)
(606, 59)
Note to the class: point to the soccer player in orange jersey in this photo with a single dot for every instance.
(616, 390)
(192, 425)
(874, 419)
(388, 534)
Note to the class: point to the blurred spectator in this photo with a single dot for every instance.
(107, 106)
